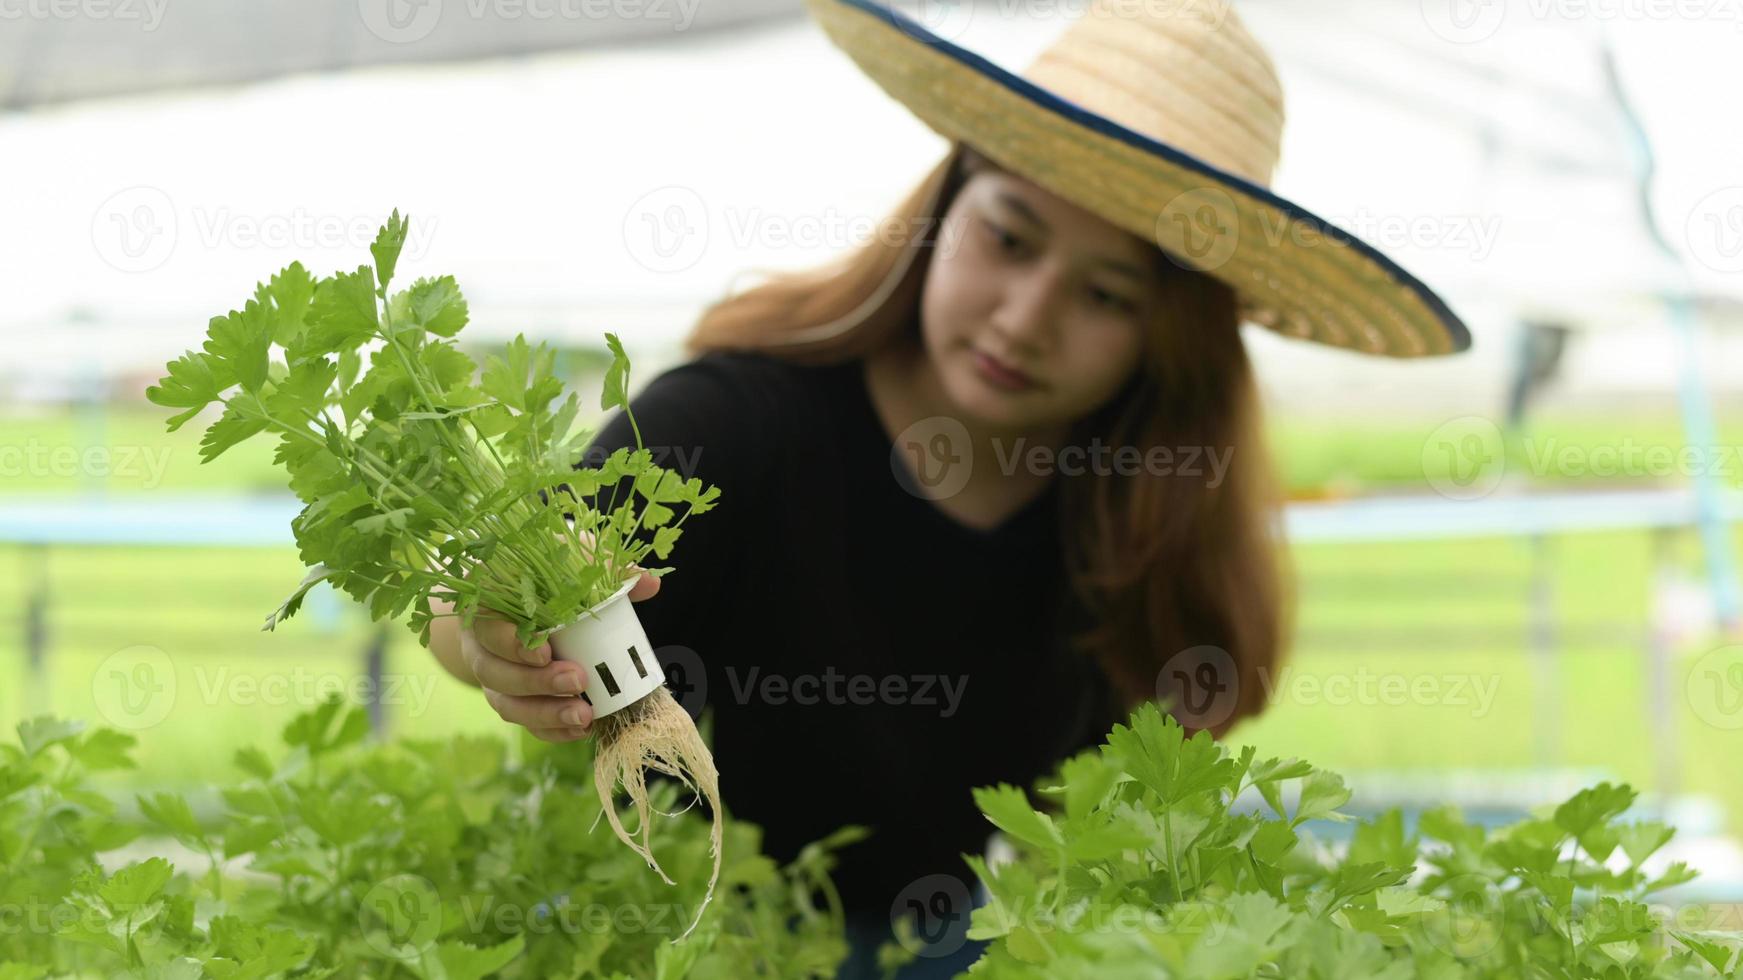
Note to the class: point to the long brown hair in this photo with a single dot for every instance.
(1178, 575)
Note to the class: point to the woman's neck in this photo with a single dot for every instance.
(905, 389)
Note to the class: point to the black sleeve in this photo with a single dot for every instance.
(712, 418)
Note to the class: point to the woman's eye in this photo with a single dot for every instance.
(1006, 241)
(1108, 299)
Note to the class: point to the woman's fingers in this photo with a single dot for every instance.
(559, 734)
(559, 677)
(645, 587)
(541, 712)
(497, 635)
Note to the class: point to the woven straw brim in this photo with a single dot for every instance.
(1295, 272)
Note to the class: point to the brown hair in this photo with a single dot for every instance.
(1165, 566)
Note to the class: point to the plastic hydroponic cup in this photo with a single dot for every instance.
(610, 645)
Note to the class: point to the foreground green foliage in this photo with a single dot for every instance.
(422, 475)
(1153, 866)
(1158, 856)
(415, 858)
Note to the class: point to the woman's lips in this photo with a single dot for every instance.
(999, 373)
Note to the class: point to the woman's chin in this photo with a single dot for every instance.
(989, 405)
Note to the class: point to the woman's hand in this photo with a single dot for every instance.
(525, 686)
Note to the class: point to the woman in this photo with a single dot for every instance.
(990, 484)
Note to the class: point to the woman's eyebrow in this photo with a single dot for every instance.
(1028, 214)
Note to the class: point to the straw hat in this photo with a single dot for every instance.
(1165, 118)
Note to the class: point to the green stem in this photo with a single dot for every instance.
(217, 871)
(1168, 842)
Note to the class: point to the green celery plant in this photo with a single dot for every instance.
(1149, 867)
(419, 481)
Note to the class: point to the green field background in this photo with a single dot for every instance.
(1437, 609)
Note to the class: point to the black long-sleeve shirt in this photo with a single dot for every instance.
(867, 658)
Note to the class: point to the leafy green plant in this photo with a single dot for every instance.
(418, 479)
(1158, 856)
(414, 858)
(1153, 866)
(420, 483)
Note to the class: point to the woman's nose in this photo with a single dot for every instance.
(1030, 308)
